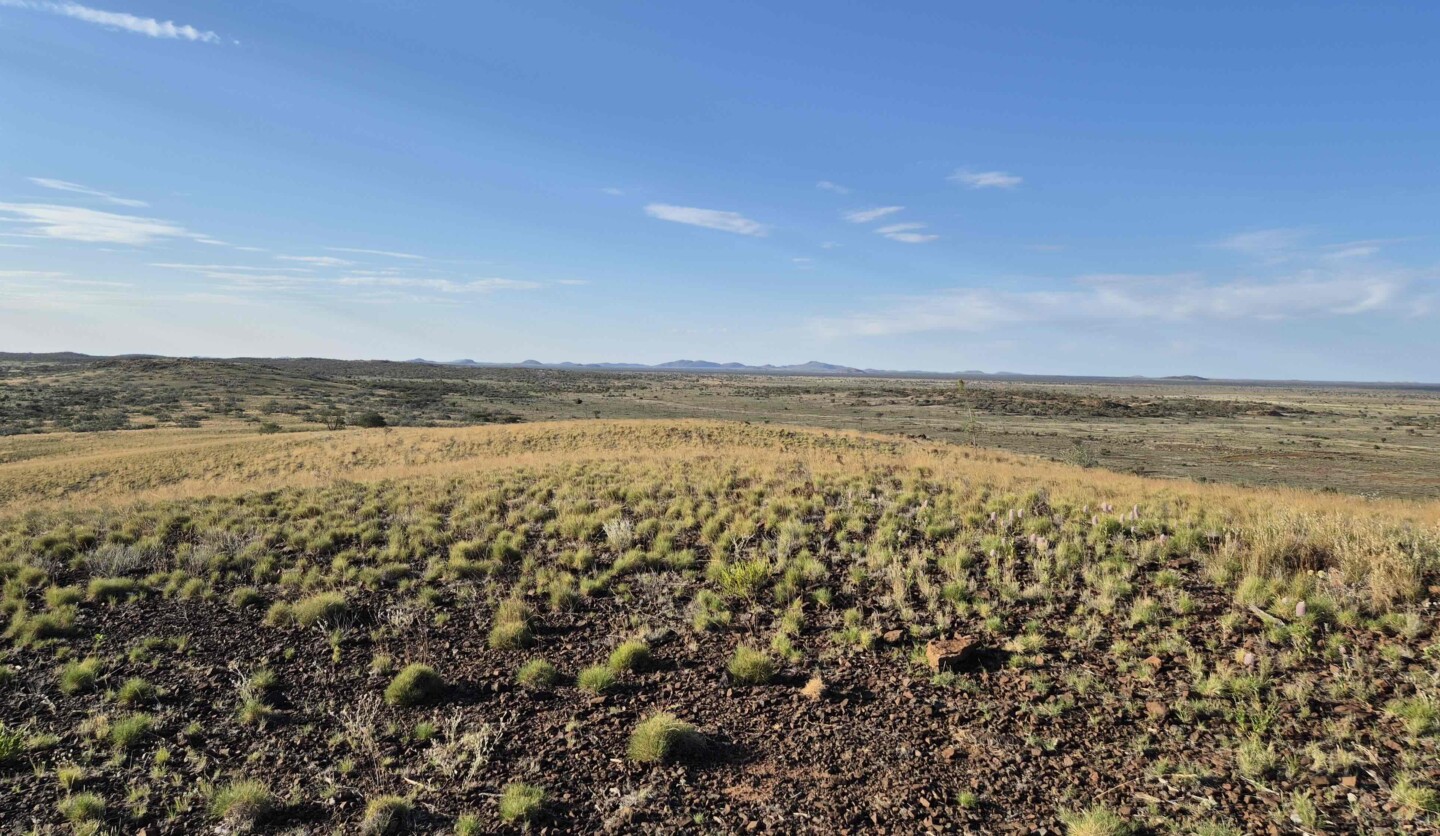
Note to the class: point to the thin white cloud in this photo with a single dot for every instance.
(66, 186)
(612, 191)
(1123, 298)
(227, 268)
(865, 216)
(123, 21)
(387, 253)
(30, 274)
(573, 282)
(708, 218)
(986, 179)
(827, 186)
(439, 285)
(907, 233)
(73, 223)
(1269, 244)
(316, 260)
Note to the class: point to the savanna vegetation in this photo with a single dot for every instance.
(633, 625)
(1370, 440)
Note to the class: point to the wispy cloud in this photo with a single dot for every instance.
(123, 21)
(827, 186)
(386, 253)
(1114, 298)
(865, 216)
(1269, 244)
(439, 285)
(74, 223)
(907, 233)
(316, 260)
(66, 186)
(708, 218)
(986, 179)
(612, 191)
(30, 274)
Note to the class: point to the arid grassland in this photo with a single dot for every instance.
(1364, 440)
(700, 626)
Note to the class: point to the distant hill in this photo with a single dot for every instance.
(814, 367)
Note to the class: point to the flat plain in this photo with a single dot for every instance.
(310, 596)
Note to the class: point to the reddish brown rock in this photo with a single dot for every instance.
(947, 654)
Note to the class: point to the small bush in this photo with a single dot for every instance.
(633, 655)
(112, 589)
(468, 825)
(246, 597)
(597, 679)
(662, 737)
(751, 667)
(385, 816)
(79, 677)
(521, 802)
(135, 691)
(511, 630)
(70, 777)
(1413, 799)
(85, 807)
(510, 635)
(280, 614)
(63, 596)
(128, 731)
(414, 685)
(12, 745)
(326, 607)
(1096, 821)
(537, 673)
(242, 802)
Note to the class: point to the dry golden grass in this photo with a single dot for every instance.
(1286, 530)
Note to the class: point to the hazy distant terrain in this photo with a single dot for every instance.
(1360, 439)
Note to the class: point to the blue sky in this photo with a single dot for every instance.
(1225, 189)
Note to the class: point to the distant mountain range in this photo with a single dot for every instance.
(813, 367)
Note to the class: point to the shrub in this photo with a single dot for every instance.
(1255, 759)
(63, 596)
(128, 731)
(326, 607)
(370, 420)
(112, 589)
(1096, 821)
(510, 635)
(79, 677)
(468, 825)
(12, 745)
(633, 655)
(246, 597)
(597, 679)
(414, 685)
(280, 614)
(242, 802)
(134, 691)
(663, 737)
(85, 807)
(521, 802)
(70, 777)
(385, 816)
(1413, 799)
(511, 630)
(751, 667)
(537, 673)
